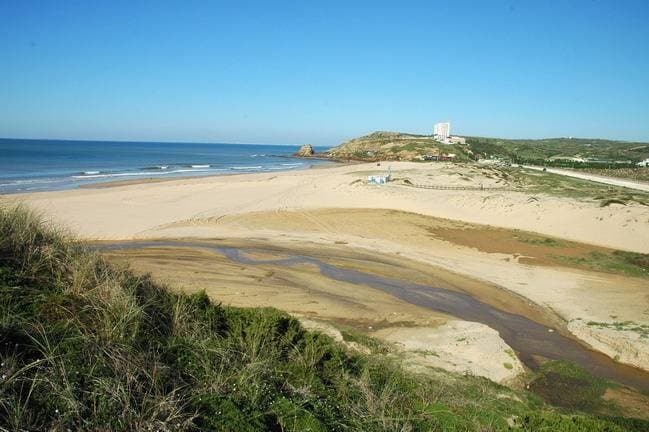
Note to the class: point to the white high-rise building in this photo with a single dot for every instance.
(441, 131)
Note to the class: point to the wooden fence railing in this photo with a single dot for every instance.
(464, 188)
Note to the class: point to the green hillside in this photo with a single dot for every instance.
(543, 149)
(395, 146)
(87, 346)
(558, 151)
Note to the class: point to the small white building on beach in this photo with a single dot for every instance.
(644, 163)
(380, 179)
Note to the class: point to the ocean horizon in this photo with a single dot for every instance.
(36, 165)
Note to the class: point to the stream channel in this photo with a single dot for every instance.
(528, 338)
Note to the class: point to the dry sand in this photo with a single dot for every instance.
(288, 208)
(137, 210)
(459, 346)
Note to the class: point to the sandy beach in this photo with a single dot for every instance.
(527, 246)
(142, 210)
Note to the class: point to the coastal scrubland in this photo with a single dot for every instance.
(531, 150)
(87, 345)
(518, 179)
(637, 174)
(387, 146)
(569, 152)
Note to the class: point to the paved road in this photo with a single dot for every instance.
(596, 178)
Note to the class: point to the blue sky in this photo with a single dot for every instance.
(321, 72)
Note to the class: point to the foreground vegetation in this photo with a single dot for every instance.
(85, 345)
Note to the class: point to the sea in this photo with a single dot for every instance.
(45, 165)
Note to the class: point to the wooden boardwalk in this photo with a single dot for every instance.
(462, 188)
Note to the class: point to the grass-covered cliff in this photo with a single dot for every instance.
(88, 346)
(395, 146)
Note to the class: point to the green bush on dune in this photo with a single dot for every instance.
(85, 345)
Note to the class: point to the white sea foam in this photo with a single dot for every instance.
(195, 170)
(250, 168)
(147, 173)
(134, 174)
(200, 166)
(31, 181)
(155, 167)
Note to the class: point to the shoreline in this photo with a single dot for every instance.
(72, 181)
(119, 183)
(141, 206)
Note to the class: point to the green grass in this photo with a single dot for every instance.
(641, 329)
(374, 346)
(618, 262)
(639, 260)
(543, 422)
(564, 186)
(88, 346)
(638, 173)
(395, 146)
(414, 146)
(567, 385)
(545, 241)
(540, 150)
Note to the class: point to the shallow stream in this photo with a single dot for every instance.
(528, 338)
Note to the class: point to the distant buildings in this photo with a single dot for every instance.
(441, 131)
(644, 163)
(442, 134)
